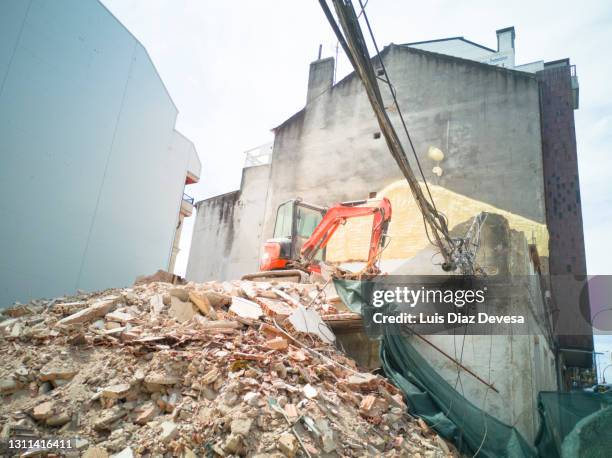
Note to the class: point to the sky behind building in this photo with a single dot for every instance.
(237, 69)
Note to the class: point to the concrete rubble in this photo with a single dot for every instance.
(195, 370)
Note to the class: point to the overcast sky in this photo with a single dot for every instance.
(237, 69)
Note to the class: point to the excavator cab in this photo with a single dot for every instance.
(295, 223)
(302, 231)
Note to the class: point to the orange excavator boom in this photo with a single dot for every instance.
(338, 214)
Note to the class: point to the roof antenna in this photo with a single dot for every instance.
(320, 50)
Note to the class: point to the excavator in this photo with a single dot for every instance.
(303, 230)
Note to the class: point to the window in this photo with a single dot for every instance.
(376, 135)
(307, 221)
(284, 217)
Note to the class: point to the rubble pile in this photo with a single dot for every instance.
(213, 369)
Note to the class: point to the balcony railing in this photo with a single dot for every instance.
(188, 198)
(260, 155)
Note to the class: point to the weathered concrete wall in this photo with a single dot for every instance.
(320, 78)
(518, 366)
(213, 237)
(485, 119)
(227, 233)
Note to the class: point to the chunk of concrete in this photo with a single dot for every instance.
(245, 308)
(55, 370)
(108, 417)
(44, 410)
(9, 385)
(96, 310)
(59, 419)
(95, 452)
(169, 431)
(218, 299)
(327, 435)
(287, 444)
(241, 426)
(119, 317)
(232, 443)
(362, 380)
(307, 320)
(180, 293)
(125, 453)
(161, 378)
(180, 310)
(157, 303)
(119, 391)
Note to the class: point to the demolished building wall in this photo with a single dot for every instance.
(485, 119)
(513, 367)
(519, 366)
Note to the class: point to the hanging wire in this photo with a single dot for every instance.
(395, 102)
(354, 45)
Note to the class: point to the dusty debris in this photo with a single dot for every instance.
(160, 276)
(163, 370)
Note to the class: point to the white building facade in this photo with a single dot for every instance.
(93, 171)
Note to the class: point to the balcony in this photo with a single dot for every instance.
(187, 205)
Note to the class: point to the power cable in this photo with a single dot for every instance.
(355, 48)
(395, 102)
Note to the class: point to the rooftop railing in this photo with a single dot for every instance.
(260, 155)
(188, 198)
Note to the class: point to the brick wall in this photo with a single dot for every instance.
(562, 194)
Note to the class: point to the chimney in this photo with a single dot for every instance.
(505, 39)
(320, 78)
